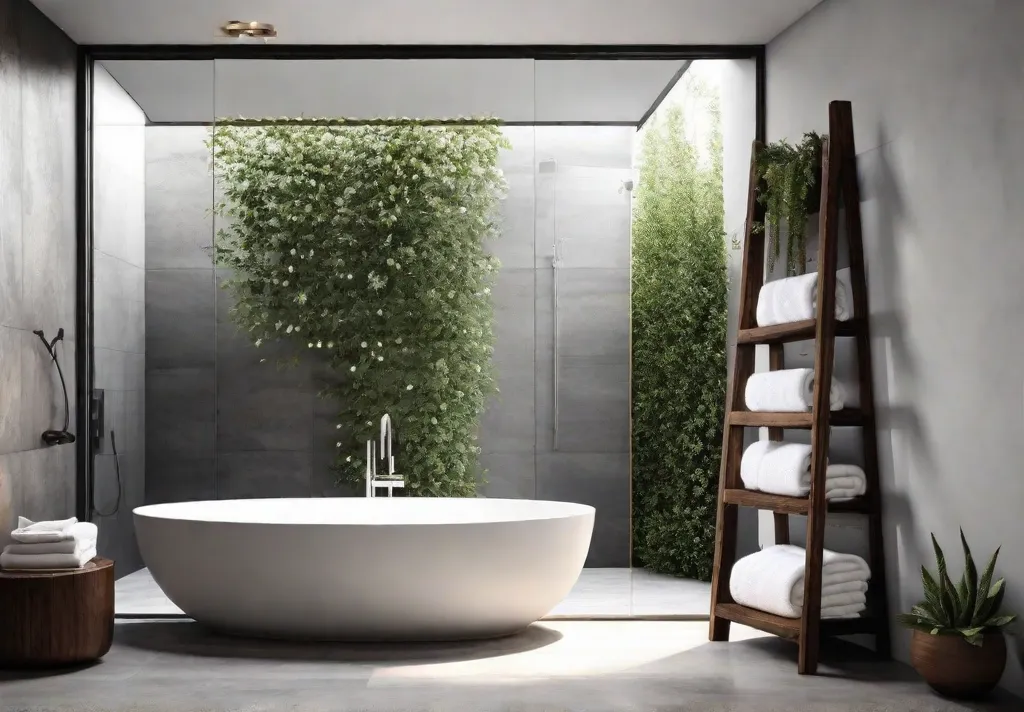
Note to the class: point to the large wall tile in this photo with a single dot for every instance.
(510, 475)
(264, 418)
(267, 473)
(180, 318)
(38, 484)
(119, 185)
(593, 405)
(593, 312)
(181, 413)
(592, 217)
(179, 478)
(601, 481)
(593, 146)
(179, 196)
(509, 422)
(12, 415)
(11, 173)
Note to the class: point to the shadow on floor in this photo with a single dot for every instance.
(188, 638)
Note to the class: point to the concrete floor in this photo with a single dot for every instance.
(558, 666)
(599, 593)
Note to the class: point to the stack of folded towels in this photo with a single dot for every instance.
(63, 544)
(772, 580)
(785, 468)
(791, 390)
(782, 301)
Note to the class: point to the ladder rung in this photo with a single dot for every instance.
(794, 331)
(790, 627)
(784, 504)
(762, 419)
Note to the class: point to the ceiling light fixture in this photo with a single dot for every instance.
(239, 29)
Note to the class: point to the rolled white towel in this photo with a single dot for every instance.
(83, 538)
(790, 390)
(783, 301)
(785, 468)
(29, 532)
(767, 579)
(46, 561)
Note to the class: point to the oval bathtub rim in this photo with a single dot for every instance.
(571, 510)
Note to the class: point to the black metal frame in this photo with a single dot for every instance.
(89, 54)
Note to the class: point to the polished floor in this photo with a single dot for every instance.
(599, 593)
(556, 666)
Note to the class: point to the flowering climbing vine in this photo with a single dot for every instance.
(363, 245)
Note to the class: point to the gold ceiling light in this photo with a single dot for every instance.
(239, 29)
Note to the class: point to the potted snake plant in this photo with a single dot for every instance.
(958, 645)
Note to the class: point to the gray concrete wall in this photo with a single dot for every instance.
(938, 105)
(37, 262)
(559, 429)
(119, 258)
(220, 423)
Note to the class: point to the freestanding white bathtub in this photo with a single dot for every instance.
(366, 569)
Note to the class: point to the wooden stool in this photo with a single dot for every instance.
(51, 618)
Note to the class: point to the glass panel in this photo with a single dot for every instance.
(693, 161)
(153, 312)
(367, 216)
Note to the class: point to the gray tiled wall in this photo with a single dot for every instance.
(37, 262)
(221, 423)
(559, 429)
(119, 326)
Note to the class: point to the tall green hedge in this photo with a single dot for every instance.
(364, 245)
(679, 340)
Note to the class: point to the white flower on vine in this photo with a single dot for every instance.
(353, 369)
(278, 325)
(349, 276)
(380, 312)
(284, 283)
(338, 426)
(293, 250)
(310, 344)
(364, 344)
(290, 329)
(348, 459)
(391, 261)
(330, 344)
(462, 210)
(477, 367)
(290, 269)
(398, 340)
(409, 387)
(259, 342)
(379, 344)
(380, 358)
(433, 421)
(319, 344)
(487, 290)
(337, 444)
(451, 293)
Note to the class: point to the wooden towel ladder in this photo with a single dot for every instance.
(838, 182)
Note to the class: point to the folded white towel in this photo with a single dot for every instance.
(766, 580)
(47, 561)
(782, 301)
(785, 468)
(83, 537)
(836, 594)
(29, 532)
(790, 390)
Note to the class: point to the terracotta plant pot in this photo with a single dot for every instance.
(955, 668)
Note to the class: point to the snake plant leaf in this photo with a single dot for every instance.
(970, 582)
(985, 583)
(999, 621)
(947, 592)
(931, 589)
(992, 601)
(924, 615)
(974, 636)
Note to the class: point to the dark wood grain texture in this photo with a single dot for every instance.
(877, 596)
(839, 186)
(56, 618)
(824, 360)
(794, 331)
(732, 438)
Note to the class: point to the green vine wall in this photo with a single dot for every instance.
(363, 246)
(679, 340)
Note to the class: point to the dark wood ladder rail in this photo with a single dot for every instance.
(839, 183)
